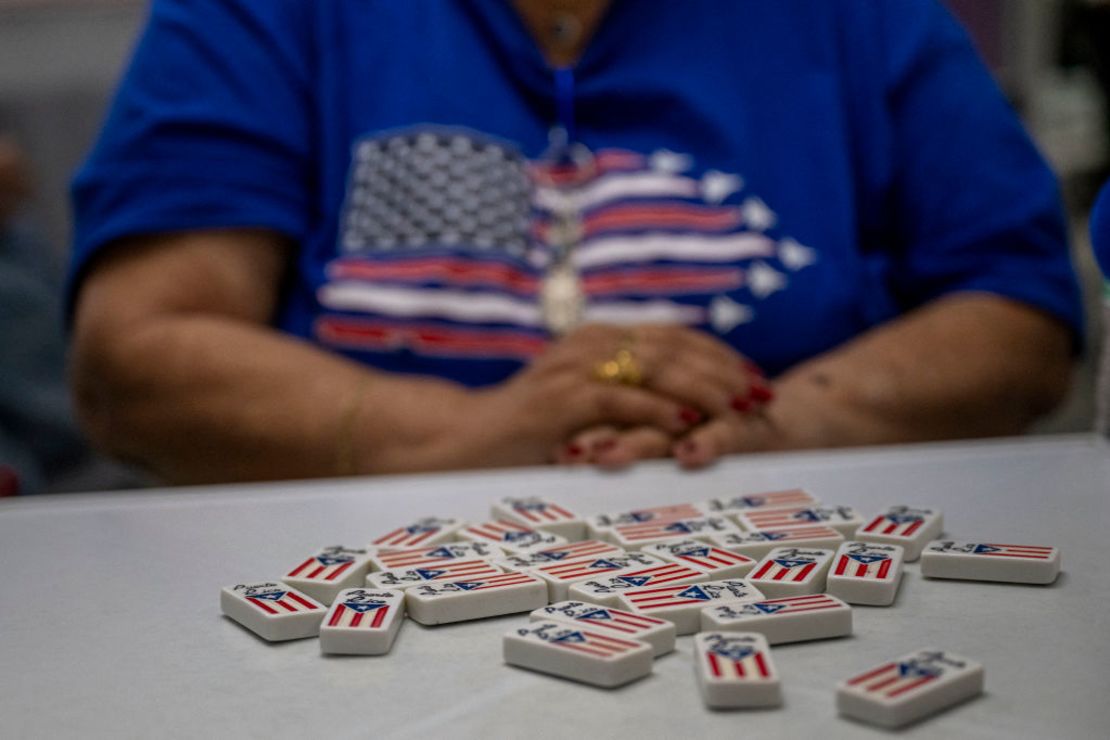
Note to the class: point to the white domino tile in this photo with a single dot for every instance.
(451, 570)
(429, 556)
(682, 604)
(716, 562)
(580, 654)
(325, 573)
(792, 571)
(909, 688)
(538, 513)
(421, 533)
(982, 561)
(792, 619)
(599, 526)
(560, 577)
(458, 601)
(843, 519)
(659, 633)
(866, 573)
(272, 610)
(901, 525)
(605, 591)
(559, 554)
(362, 621)
(734, 670)
(637, 536)
(758, 544)
(512, 537)
(736, 505)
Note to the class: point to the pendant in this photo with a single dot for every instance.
(562, 299)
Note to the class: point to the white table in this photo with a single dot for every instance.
(110, 626)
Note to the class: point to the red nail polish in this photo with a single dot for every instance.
(689, 415)
(762, 393)
(573, 450)
(752, 368)
(605, 445)
(741, 404)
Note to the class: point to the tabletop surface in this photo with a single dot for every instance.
(110, 624)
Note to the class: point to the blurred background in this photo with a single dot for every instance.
(59, 60)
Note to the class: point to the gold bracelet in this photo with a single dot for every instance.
(345, 438)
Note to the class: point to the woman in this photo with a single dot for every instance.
(362, 237)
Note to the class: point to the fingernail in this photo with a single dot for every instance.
(689, 446)
(761, 393)
(752, 368)
(573, 450)
(741, 404)
(689, 415)
(605, 445)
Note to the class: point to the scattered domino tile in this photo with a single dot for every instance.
(843, 519)
(599, 525)
(545, 516)
(901, 525)
(792, 571)
(715, 561)
(362, 622)
(585, 655)
(427, 531)
(659, 633)
(758, 544)
(273, 610)
(329, 571)
(452, 570)
(510, 536)
(436, 555)
(731, 507)
(561, 576)
(866, 573)
(682, 604)
(605, 591)
(909, 688)
(734, 670)
(978, 561)
(477, 598)
(793, 619)
(636, 536)
(558, 554)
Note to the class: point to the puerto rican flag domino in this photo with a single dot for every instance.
(561, 576)
(843, 519)
(512, 537)
(866, 573)
(793, 619)
(362, 621)
(559, 554)
(902, 525)
(682, 604)
(598, 526)
(475, 598)
(758, 544)
(792, 571)
(730, 507)
(909, 688)
(451, 570)
(637, 536)
(714, 561)
(982, 561)
(329, 571)
(578, 653)
(421, 533)
(540, 514)
(659, 633)
(604, 591)
(735, 670)
(272, 610)
(436, 555)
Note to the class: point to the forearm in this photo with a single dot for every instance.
(969, 365)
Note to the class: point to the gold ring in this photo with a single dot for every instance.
(622, 369)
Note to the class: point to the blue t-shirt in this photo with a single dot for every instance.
(783, 173)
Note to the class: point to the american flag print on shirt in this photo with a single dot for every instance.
(427, 531)
(329, 565)
(362, 609)
(736, 657)
(274, 600)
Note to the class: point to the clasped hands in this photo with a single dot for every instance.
(611, 395)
